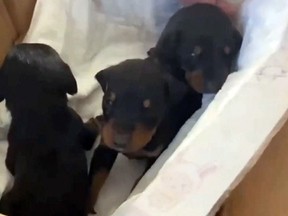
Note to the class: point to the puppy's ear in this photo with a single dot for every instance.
(103, 78)
(237, 40)
(175, 89)
(153, 55)
(167, 45)
(60, 77)
(152, 52)
(69, 83)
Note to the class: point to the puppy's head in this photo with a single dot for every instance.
(35, 75)
(203, 47)
(207, 61)
(137, 95)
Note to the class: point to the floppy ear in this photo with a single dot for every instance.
(152, 52)
(237, 40)
(69, 83)
(103, 78)
(167, 45)
(59, 76)
(175, 89)
(153, 55)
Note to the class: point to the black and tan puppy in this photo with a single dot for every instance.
(143, 109)
(200, 44)
(45, 154)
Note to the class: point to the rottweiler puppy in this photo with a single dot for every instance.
(200, 44)
(143, 109)
(45, 153)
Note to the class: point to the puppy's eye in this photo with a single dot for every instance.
(196, 51)
(227, 50)
(147, 103)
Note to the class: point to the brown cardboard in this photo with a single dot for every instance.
(7, 31)
(21, 12)
(264, 190)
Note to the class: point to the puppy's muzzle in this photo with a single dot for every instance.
(213, 87)
(195, 80)
(121, 140)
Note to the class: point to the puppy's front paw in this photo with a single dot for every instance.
(89, 134)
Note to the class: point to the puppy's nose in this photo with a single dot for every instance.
(212, 87)
(121, 140)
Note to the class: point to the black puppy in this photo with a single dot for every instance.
(45, 154)
(200, 44)
(143, 109)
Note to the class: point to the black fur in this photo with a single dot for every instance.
(205, 26)
(45, 153)
(133, 81)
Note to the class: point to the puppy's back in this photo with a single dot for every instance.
(197, 18)
(45, 154)
(51, 174)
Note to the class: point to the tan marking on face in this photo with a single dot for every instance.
(140, 137)
(108, 133)
(195, 80)
(97, 183)
(147, 103)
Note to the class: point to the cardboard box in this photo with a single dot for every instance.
(15, 18)
(262, 192)
(8, 32)
(21, 14)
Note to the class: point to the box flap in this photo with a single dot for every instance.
(264, 190)
(8, 33)
(21, 13)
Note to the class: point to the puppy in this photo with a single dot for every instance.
(45, 153)
(200, 44)
(143, 109)
(230, 8)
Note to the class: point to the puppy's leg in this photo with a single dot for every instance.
(89, 133)
(91, 130)
(150, 162)
(5, 203)
(101, 164)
